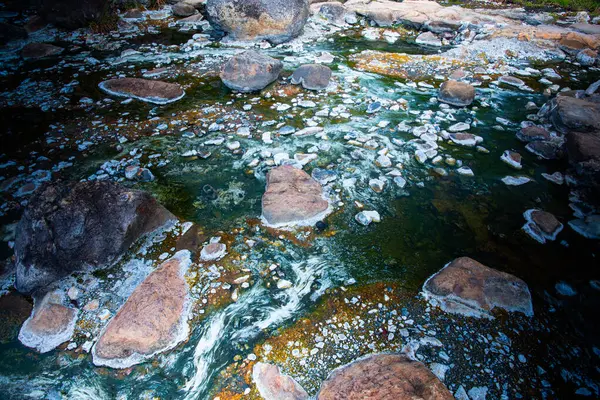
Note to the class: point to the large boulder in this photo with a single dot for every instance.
(250, 71)
(292, 198)
(154, 318)
(312, 76)
(583, 146)
(383, 377)
(573, 114)
(273, 385)
(459, 94)
(468, 287)
(150, 91)
(14, 310)
(277, 21)
(49, 325)
(70, 227)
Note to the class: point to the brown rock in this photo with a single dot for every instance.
(152, 320)
(191, 240)
(157, 92)
(468, 287)
(541, 225)
(250, 71)
(292, 197)
(532, 133)
(273, 385)
(456, 93)
(583, 146)
(545, 149)
(40, 50)
(383, 377)
(183, 9)
(49, 325)
(572, 114)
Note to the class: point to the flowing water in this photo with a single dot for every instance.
(424, 225)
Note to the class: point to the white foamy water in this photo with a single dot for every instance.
(257, 309)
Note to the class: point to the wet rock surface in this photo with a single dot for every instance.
(312, 76)
(273, 385)
(40, 50)
(274, 20)
(468, 287)
(153, 319)
(157, 92)
(383, 376)
(292, 197)
(73, 227)
(250, 71)
(50, 324)
(456, 93)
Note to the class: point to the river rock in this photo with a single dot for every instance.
(273, 385)
(34, 51)
(468, 287)
(588, 227)
(459, 94)
(428, 39)
(312, 76)
(583, 146)
(292, 197)
(213, 251)
(383, 377)
(587, 57)
(335, 12)
(277, 21)
(250, 71)
(50, 324)
(183, 9)
(69, 227)
(150, 91)
(154, 318)
(541, 225)
(532, 133)
(545, 149)
(572, 114)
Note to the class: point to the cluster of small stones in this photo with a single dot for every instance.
(474, 358)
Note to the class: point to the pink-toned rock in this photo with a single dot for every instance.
(157, 92)
(49, 325)
(152, 320)
(273, 385)
(292, 198)
(383, 377)
(468, 287)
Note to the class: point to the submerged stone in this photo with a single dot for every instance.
(75, 226)
(459, 94)
(150, 91)
(292, 197)
(250, 71)
(154, 318)
(273, 385)
(385, 377)
(468, 287)
(588, 227)
(277, 21)
(532, 133)
(50, 324)
(312, 76)
(40, 50)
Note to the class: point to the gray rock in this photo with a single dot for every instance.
(312, 76)
(456, 93)
(277, 21)
(183, 9)
(76, 226)
(40, 50)
(250, 71)
(428, 39)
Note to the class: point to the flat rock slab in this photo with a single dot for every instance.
(459, 94)
(34, 51)
(154, 318)
(383, 377)
(541, 225)
(50, 324)
(273, 385)
(468, 287)
(150, 91)
(250, 71)
(292, 198)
